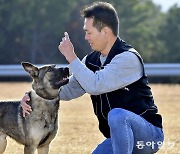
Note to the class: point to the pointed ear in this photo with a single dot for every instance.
(31, 69)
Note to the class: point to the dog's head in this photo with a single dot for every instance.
(47, 79)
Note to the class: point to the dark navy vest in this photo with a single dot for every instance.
(136, 97)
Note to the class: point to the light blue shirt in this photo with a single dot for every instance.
(124, 69)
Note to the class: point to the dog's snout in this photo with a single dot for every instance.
(64, 69)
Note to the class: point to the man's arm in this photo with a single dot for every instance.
(123, 70)
(71, 90)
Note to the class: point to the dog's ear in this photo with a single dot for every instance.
(31, 69)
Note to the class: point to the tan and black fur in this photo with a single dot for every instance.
(38, 129)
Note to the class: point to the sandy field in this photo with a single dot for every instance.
(78, 129)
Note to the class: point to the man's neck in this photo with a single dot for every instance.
(108, 47)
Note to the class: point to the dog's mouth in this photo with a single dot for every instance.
(62, 81)
(60, 77)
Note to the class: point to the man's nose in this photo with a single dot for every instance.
(86, 37)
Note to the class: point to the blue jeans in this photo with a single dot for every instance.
(130, 134)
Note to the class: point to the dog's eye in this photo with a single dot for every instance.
(49, 69)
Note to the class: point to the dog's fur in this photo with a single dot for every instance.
(38, 129)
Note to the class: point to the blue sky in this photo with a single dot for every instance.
(166, 4)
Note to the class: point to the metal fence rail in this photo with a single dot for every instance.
(152, 69)
(17, 70)
(168, 69)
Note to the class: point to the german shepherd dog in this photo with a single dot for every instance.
(37, 130)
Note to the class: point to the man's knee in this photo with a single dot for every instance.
(117, 116)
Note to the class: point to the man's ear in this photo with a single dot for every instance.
(106, 30)
(31, 69)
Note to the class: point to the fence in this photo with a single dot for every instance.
(17, 70)
(165, 69)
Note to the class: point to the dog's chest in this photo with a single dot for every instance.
(45, 109)
(44, 117)
(49, 113)
(44, 112)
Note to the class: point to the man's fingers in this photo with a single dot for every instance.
(25, 112)
(24, 104)
(63, 39)
(26, 107)
(66, 35)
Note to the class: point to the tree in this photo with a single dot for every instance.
(169, 34)
(31, 30)
(139, 24)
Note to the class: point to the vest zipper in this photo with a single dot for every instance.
(108, 102)
(99, 68)
(101, 100)
(101, 109)
(96, 107)
(96, 112)
(94, 65)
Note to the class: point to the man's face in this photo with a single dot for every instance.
(96, 39)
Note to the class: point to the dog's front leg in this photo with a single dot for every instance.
(29, 149)
(3, 143)
(44, 149)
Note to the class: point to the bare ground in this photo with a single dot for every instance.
(78, 129)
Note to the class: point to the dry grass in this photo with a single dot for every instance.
(78, 131)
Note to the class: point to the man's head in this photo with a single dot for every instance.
(104, 15)
(101, 24)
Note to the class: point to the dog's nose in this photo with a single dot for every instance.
(64, 69)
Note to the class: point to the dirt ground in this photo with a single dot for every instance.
(78, 129)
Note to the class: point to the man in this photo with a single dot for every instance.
(113, 74)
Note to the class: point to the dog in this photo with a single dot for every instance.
(37, 130)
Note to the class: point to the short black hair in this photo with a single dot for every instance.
(104, 14)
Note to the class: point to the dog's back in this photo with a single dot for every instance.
(11, 115)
